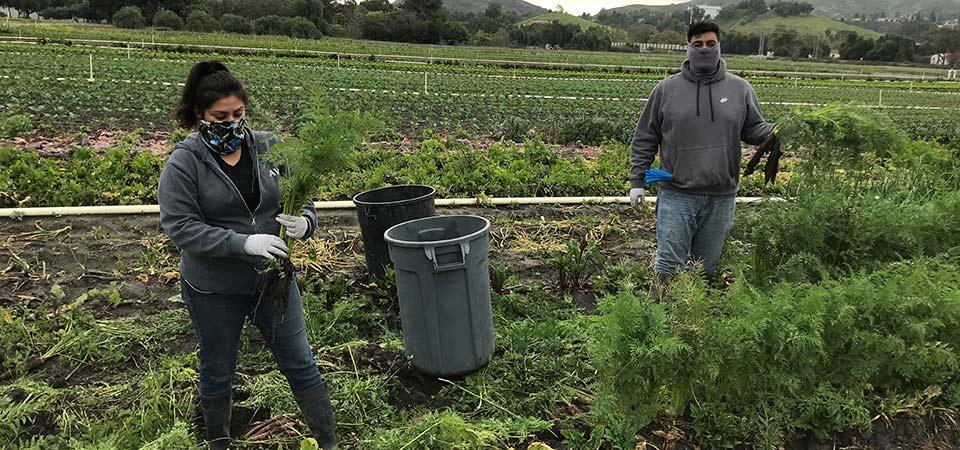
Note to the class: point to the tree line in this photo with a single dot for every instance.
(416, 21)
(428, 22)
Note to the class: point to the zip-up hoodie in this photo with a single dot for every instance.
(205, 216)
(697, 122)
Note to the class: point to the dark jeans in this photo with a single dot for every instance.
(691, 228)
(219, 320)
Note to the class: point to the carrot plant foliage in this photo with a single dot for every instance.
(846, 303)
(324, 142)
(752, 366)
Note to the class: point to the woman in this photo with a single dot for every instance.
(220, 205)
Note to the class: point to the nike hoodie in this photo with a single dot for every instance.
(697, 122)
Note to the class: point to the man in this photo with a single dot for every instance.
(696, 120)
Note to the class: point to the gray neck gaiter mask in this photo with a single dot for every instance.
(705, 60)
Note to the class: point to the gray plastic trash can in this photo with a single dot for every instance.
(443, 283)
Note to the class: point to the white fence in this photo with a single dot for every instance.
(646, 47)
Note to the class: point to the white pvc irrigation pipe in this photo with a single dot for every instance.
(347, 204)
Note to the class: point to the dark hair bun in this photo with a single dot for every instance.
(207, 67)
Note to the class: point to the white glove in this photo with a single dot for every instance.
(296, 226)
(636, 196)
(265, 245)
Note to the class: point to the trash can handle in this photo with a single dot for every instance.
(431, 253)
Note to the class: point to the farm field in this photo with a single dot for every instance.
(134, 88)
(104, 355)
(836, 323)
(55, 30)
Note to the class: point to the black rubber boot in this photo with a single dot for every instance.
(713, 281)
(216, 417)
(318, 413)
(659, 287)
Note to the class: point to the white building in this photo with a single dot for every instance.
(940, 59)
(710, 11)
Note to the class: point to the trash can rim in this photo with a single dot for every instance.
(420, 244)
(432, 192)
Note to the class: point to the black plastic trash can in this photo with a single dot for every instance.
(380, 209)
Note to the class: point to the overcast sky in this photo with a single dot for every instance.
(578, 7)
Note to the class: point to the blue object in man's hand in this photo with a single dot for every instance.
(656, 176)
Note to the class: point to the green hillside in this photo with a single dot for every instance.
(807, 25)
(656, 8)
(522, 8)
(563, 18)
(842, 8)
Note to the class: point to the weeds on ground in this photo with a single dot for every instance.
(448, 430)
(577, 264)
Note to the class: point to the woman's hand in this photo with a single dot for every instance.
(265, 246)
(296, 226)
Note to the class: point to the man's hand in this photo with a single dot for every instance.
(636, 196)
(296, 227)
(772, 167)
(771, 146)
(265, 245)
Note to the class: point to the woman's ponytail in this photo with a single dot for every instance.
(207, 82)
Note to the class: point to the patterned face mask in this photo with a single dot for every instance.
(223, 137)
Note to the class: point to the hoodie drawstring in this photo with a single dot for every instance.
(698, 99)
(710, 87)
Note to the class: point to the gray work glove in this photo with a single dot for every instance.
(296, 226)
(265, 245)
(636, 196)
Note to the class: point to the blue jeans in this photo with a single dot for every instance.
(219, 319)
(691, 229)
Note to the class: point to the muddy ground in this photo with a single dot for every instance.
(54, 260)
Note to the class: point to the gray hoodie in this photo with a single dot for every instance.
(205, 216)
(696, 123)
